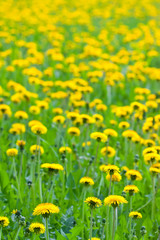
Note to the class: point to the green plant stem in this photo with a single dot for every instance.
(96, 153)
(47, 231)
(21, 166)
(130, 220)
(39, 173)
(18, 185)
(153, 197)
(33, 180)
(107, 214)
(100, 184)
(91, 223)
(114, 223)
(0, 232)
(17, 233)
(84, 197)
(49, 198)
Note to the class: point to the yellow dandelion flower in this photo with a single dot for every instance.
(63, 150)
(135, 215)
(93, 202)
(37, 228)
(116, 177)
(52, 167)
(133, 175)
(100, 137)
(39, 129)
(114, 200)
(74, 131)
(110, 132)
(12, 152)
(4, 221)
(108, 151)
(87, 181)
(45, 209)
(35, 148)
(131, 189)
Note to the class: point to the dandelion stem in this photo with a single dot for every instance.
(0, 233)
(96, 153)
(130, 220)
(20, 171)
(114, 221)
(153, 198)
(100, 184)
(17, 233)
(84, 196)
(47, 231)
(91, 223)
(18, 185)
(39, 173)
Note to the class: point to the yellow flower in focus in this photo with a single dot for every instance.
(114, 200)
(131, 189)
(45, 209)
(93, 202)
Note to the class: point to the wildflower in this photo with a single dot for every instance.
(87, 181)
(108, 151)
(74, 131)
(149, 150)
(19, 127)
(35, 148)
(131, 189)
(37, 228)
(21, 144)
(124, 125)
(4, 221)
(33, 123)
(110, 132)
(135, 215)
(93, 202)
(151, 157)
(134, 175)
(12, 152)
(114, 200)
(45, 209)
(63, 150)
(57, 111)
(100, 137)
(39, 129)
(52, 167)
(21, 115)
(116, 177)
(34, 110)
(154, 170)
(111, 169)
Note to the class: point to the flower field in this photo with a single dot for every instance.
(79, 120)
